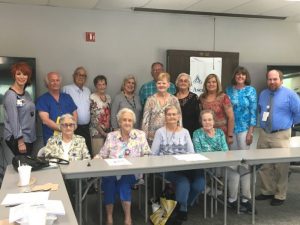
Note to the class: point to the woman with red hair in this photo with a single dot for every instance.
(19, 112)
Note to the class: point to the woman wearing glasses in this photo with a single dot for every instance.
(67, 145)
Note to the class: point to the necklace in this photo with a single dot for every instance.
(103, 98)
(133, 106)
(169, 139)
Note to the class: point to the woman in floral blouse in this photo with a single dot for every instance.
(154, 110)
(126, 142)
(214, 99)
(100, 113)
(67, 145)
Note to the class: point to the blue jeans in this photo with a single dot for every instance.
(111, 187)
(188, 185)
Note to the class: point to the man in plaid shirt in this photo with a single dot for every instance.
(149, 88)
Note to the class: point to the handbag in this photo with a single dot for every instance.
(166, 214)
(36, 163)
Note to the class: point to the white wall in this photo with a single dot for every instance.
(128, 42)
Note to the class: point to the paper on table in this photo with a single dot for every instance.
(35, 197)
(191, 157)
(118, 162)
(55, 207)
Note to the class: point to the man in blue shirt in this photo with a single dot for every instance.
(149, 88)
(279, 109)
(81, 96)
(54, 104)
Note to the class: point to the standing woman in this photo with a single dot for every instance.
(244, 101)
(100, 113)
(214, 99)
(127, 99)
(189, 103)
(154, 110)
(19, 112)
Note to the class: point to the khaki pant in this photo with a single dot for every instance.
(274, 176)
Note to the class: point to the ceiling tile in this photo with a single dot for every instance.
(258, 6)
(120, 4)
(216, 5)
(292, 9)
(173, 4)
(31, 2)
(87, 4)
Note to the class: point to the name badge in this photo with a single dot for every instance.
(20, 102)
(265, 116)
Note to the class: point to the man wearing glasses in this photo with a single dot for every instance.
(81, 96)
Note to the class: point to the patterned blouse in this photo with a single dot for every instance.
(78, 149)
(115, 147)
(204, 143)
(218, 106)
(172, 143)
(154, 115)
(244, 102)
(100, 114)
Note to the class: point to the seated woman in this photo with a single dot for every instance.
(126, 142)
(210, 139)
(67, 145)
(170, 140)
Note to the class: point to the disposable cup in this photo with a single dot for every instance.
(24, 175)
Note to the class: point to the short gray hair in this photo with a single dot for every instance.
(125, 110)
(46, 78)
(129, 77)
(181, 75)
(67, 115)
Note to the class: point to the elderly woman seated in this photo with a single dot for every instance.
(173, 139)
(210, 139)
(67, 145)
(126, 142)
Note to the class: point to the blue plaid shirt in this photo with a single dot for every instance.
(149, 89)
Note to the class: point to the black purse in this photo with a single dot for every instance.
(36, 163)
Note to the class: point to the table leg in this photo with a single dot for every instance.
(205, 196)
(146, 198)
(225, 197)
(253, 192)
(80, 201)
(100, 201)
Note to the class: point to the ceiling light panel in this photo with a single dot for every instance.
(120, 4)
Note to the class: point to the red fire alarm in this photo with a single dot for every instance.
(90, 36)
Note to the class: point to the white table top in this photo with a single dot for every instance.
(146, 164)
(9, 186)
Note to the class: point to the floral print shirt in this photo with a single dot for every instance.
(244, 102)
(115, 147)
(100, 114)
(154, 115)
(218, 106)
(204, 143)
(78, 149)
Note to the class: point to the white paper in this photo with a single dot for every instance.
(191, 157)
(53, 207)
(118, 162)
(33, 197)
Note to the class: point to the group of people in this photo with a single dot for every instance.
(162, 119)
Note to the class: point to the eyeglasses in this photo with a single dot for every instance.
(66, 125)
(82, 75)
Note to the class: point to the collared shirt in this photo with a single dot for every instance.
(149, 89)
(114, 147)
(285, 108)
(244, 103)
(81, 97)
